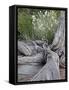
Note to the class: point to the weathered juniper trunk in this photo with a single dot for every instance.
(38, 58)
(50, 71)
(30, 64)
(24, 48)
(41, 66)
(58, 44)
(29, 48)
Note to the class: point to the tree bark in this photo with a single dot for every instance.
(38, 58)
(59, 39)
(30, 48)
(24, 48)
(50, 70)
(58, 44)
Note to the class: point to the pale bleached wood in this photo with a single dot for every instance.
(35, 58)
(58, 44)
(50, 70)
(59, 38)
(29, 48)
(24, 48)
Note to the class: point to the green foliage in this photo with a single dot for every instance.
(24, 25)
(37, 24)
(45, 24)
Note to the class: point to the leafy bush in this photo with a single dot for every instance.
(37, 24)
(24, 25)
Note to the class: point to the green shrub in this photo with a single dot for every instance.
(37, 24)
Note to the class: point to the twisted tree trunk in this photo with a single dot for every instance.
(50, 70)
(58, 44)
(38, 58)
